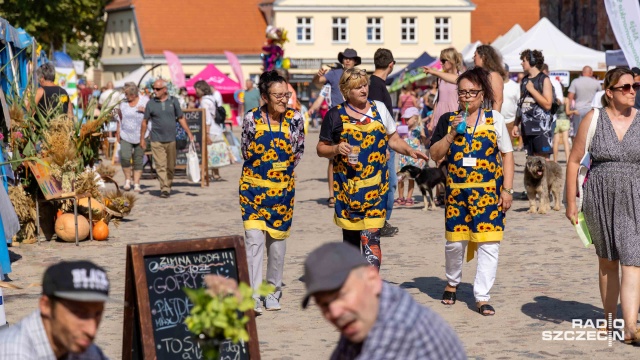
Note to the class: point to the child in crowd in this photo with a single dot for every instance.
(413, 134)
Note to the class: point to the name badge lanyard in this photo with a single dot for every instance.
(365, 115)
(275, 147)
(470, 160)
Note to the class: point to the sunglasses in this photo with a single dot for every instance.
(157, 89)
(355, 74)
(442, 61)
(626, 88)
(468, 93)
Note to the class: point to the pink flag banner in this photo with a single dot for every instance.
(235, 65)
(175, 69)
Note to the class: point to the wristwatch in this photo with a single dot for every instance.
(508, 191)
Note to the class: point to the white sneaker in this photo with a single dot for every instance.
(271, 303)
(127, 185)
(258, 307)
(136, 187)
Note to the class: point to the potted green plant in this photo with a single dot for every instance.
(218, 312)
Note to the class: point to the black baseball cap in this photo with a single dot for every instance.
(328, 266)
(76, 280)
(635, 71)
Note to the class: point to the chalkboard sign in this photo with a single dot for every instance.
(197, 125)
(156, 305)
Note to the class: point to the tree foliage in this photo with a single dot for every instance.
(78, 24)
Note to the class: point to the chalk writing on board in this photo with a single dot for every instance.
(167, 275)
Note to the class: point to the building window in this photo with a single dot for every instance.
(304, 30)
(408, 29)
(374, 30)
(443, 29)
(340, 30)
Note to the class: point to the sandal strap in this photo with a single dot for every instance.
(486, 307)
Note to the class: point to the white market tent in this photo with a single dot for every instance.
(506, 39)
(468, 51)
(133, 76)
(560, 52)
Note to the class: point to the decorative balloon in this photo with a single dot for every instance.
(272, 51)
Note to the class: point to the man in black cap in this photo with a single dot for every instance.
(636, 78)
(67, 319)
(376, 320)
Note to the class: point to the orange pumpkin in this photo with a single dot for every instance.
(65, 228)
(59, 213)
(100, 231)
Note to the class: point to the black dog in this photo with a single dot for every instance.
(426, 178)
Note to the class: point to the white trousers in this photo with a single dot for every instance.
(255, 242)
(485, 273)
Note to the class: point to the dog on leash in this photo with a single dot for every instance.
(426, 178)
(542, 177)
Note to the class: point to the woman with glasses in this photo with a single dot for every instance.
(129, 114)
(355, 135)
(272, 146)
(611, 203)
(536, 100)
(479, 185)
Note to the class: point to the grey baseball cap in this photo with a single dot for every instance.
(328, 266)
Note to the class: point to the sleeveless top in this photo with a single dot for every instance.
(53, 95)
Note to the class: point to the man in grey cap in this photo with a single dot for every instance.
(67, 319)
(376, 320)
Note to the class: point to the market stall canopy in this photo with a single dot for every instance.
(134, 76)
(468, 51)
(215, 78)
(616, 58)
(506, 39)
(423, 60)
(560, 52)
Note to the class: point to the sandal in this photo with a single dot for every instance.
(486, 307)
(635, 341)
(409, 202)
(449, 296)
(399, 201)
(331, 202)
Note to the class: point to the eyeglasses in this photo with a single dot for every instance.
(626, 88)
(468, 93)
(355, 74)
(281, 96)
(158, 89)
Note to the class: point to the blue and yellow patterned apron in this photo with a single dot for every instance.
(472, 211)
(267, 195)
(359, 189)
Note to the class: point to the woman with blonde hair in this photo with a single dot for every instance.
(129, 114)
(447, 96)
(355, 135)
(611, 204)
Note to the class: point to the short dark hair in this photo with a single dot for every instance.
(479, 76)
(267, 79)
(535, 55)
(382, 58)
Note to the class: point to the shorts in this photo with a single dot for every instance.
(562, 125)
(538, 144)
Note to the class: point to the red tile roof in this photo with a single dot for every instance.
(200, 27)
(118, 4)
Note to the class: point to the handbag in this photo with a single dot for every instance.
(585, 163)
(193, 164)
(218, 154)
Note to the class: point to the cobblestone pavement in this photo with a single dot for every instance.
(545, 277)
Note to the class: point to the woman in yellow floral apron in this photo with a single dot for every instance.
(479, 185)
(355, 134)
(272, 146)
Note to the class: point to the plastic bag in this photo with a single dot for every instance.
(193, 164)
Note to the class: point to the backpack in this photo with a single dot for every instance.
(220, 114)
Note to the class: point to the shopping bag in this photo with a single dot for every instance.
(583, 230)
(193, 165)
(219, 155)
(234, 145)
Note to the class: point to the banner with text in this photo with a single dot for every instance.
(624, 16)
(175, 69)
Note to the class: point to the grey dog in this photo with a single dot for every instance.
(542, 177)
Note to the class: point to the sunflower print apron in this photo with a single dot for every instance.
(267, 184)
(472, 212)
(359, 189)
